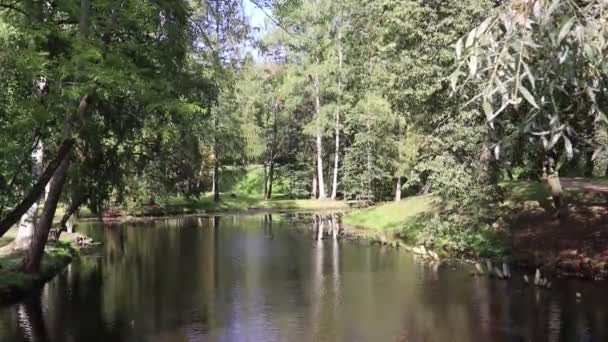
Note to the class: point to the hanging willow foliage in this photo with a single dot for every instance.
(546, 59)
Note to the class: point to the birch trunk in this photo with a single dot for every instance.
(29, 219)
(319, 141)
(398, 190)
(334, 188)
(37, 190)
(32, 261)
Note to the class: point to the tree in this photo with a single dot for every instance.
(538, 64)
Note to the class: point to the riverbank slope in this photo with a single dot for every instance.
(534, 235)
(15, 284)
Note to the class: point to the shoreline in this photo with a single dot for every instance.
(520, 261)
(16, 285)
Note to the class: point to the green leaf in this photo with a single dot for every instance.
(528, 73)
(565, 29)
(528, 96)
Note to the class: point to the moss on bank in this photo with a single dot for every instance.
(15, 284)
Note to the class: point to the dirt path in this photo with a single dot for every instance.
(585, 184)
(575, 244)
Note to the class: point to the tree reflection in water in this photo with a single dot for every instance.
(286, 278)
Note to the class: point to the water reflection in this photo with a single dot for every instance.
(258, 278)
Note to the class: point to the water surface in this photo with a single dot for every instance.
(267, 278)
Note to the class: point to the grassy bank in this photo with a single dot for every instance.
(204, 205)
(390, 221)
(15, 284)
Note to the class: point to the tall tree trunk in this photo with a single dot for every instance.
(216, 164)
(28, 220)
(216, 181)
(315, 181)
(334, 188)
(398, 190)
(31, 263)
(265, 185)
(273, 148)
(34, 194)
(270, 179)
(319, 141)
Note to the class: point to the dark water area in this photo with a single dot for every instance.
(261, 278)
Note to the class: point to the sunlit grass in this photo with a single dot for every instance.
(390, 216)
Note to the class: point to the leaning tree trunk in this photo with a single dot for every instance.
(37, 190)
(63, 224)
(319, 142)
(25, 231)
(31, 263)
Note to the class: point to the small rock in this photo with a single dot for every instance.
(526, 280)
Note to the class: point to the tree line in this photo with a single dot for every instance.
(120, 102)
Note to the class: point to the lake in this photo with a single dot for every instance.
(268, 278)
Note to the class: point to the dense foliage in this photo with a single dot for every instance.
(133, 102)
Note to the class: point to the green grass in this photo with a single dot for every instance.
(248, 181)
(391, 221)
(390, 216)
(177, 206)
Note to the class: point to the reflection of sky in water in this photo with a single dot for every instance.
(260, 278)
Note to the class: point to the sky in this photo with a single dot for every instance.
(257, 18)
